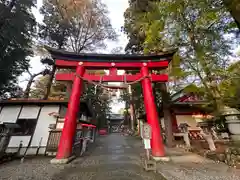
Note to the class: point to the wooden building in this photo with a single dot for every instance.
(184, 106)
(38, 123)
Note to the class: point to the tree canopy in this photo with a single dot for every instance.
(198, 29)
(17, 30)
(202, 32)
(76, 26)
(132, 28)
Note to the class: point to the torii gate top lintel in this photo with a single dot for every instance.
(113, 62)
(117, 58)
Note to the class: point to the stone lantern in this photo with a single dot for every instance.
(232, 119)
(205, 123)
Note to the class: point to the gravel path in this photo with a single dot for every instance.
(32, 168)
(189, 166)
(114, 157)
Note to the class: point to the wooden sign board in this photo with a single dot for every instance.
(146, 131)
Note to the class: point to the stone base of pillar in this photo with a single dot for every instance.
(164, 158)
(62, 161)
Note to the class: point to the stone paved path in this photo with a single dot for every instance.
(113, 157)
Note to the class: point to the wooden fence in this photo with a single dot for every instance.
(53, 140)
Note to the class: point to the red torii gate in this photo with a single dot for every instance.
(82, 62)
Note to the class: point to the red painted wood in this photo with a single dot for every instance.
(152, 116)
(69, 128)
(183, 98)
(112, 78)
(66, 140)
(112, 71)
(88, 125)
(105, 65)
(188, 98)
(102, 132)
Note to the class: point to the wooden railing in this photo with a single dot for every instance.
(195, 135)
(80, 137)
(54, 139)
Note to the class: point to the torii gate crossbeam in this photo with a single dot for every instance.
(112, 78)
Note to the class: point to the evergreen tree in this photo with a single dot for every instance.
(132, 27)
(197, 29)
(17, 28)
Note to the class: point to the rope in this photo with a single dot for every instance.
(138, 80)
(106, 86)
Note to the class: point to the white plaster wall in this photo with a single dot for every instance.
(30, 151)
(42, 130)
(15, 141)
(29, 112)
(9, 114)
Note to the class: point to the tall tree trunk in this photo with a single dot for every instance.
(132, 110)
(132, 115)
(157, 105)
(49, 83)
(29, 84)
(155, 96)
(126, 115)
(28, 88)
(233, 7)
(166, 105)
(69, 90)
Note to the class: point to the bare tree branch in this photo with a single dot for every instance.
(29, 72)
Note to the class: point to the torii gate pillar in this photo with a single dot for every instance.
(64, 153)
(152, 117)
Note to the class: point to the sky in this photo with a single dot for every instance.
(116, 10)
